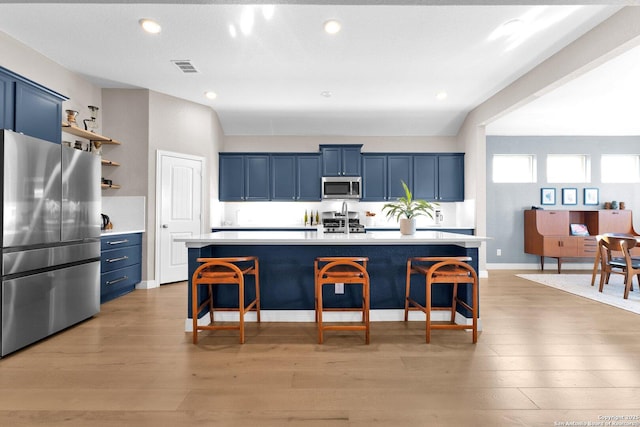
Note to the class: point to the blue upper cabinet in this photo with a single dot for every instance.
(425, 177)
(283, 177)
(38, 113)
(439, 177)
(231, 179)
(244, 177)
(295, 177)
(399, 168)
(7, 101)
(382, 176)
(257, 177)
(341, 160)
(308, 177)
(374, 177)
(451, 178)
(29, 108)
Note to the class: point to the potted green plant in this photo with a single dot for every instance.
(406, 209)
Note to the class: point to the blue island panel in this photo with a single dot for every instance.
(286, 275)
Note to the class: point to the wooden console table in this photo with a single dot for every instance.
(547, 234)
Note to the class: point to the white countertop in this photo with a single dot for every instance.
(313, 227)
(317, 238)
(119, 232)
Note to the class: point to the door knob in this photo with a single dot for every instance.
(165, 225)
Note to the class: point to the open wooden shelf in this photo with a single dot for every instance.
(94, 137)
(74, 130)
(106, 162)
(114, 186)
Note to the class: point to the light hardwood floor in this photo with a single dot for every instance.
(545, 357)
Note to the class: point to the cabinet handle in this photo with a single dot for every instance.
(118, 242)
(122, 258)
(114, 281)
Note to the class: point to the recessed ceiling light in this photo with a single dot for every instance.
(332, 26)
(441, 95)
(326, 93)
(150, 26)
(211, 95)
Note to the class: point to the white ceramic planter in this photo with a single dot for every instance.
(407, 226)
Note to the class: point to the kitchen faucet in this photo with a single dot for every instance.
(345, 213)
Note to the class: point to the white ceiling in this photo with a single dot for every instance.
(604, 101)
(383, 69)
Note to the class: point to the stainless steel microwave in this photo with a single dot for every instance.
(341, 187)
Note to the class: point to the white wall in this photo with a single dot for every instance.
(145, 122)
(187, 128)
(612, 37)
(369, 143)
(25, 61)
(506, 224)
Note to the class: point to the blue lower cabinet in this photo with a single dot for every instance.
(119, 282)
(120, 265)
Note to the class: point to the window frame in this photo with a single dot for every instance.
(585, 177)
(604, 168)
(533, 178)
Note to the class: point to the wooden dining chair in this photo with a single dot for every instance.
(609, 261)
(632, 265)
(604, 257)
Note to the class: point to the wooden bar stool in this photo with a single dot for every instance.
(347, 270)
(224, 271)
(443, 270)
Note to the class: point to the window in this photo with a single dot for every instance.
(514, 168)
(568, 168)
(620, 168)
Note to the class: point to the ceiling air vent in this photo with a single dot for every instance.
(185, 66)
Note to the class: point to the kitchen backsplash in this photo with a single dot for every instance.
(126, 213)
(287, 214)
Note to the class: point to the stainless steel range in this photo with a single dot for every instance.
(333, 222)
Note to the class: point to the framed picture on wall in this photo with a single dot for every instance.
(547, 196)
(569, 196)
(591, 196)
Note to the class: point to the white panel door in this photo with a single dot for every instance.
(180, 212)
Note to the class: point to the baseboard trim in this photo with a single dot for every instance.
(148, 284)
(548, 266)
(395, 315)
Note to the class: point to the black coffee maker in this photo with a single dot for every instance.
(106, 223)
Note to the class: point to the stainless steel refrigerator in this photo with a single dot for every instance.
(50, 238)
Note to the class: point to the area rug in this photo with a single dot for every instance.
(580, 284)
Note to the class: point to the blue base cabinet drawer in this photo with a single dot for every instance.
(119, 258)
(120, 241)
(120, 265)
(119, 282)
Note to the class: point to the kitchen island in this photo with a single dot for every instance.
(286, 267)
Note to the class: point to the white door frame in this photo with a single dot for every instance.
(159, 154)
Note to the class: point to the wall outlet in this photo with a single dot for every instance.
(499, 252)
(339, 288)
